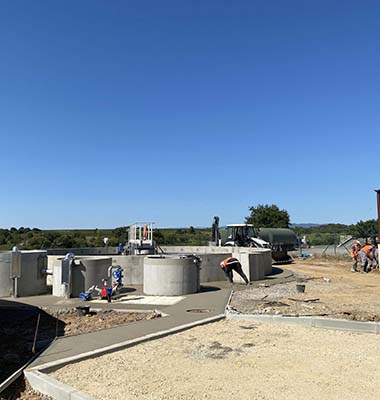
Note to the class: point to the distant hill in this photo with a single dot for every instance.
(304, 225)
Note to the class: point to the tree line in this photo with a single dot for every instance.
(261, 216)
(271, 216)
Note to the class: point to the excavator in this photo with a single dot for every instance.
(279, 240)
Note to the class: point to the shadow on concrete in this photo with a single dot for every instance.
(276, 271)
(18, 323)
(127, 290)
(208, 289)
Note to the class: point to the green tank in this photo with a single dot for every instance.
(281, 240)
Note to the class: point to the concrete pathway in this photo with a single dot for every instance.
(214, 298)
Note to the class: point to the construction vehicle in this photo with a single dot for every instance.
(279, 240)
(243, 235)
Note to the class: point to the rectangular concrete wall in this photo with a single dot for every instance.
(32, 281)
(256, 267)
(84, 251)
(198, 249)
(29, 270)
(256, 263)
(210, 267)
(133, 268)
(6, 283)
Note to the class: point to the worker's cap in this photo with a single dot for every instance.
(357, 241)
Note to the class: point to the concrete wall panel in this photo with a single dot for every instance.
(133, 267)
(5, 273)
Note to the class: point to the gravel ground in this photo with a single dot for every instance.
(236, 360)
(331, 291)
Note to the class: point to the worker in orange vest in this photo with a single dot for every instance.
(355, 249)
(366, 253)
(232, 264)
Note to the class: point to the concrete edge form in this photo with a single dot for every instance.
(311, 322)
(49, 386)
(45, 384)
(227, 307)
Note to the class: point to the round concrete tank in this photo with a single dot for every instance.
(171, 275)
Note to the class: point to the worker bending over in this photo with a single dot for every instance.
(355, 249)
(230, 264)
(367, 254)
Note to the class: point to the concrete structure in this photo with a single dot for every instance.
(85, 272)
(256, 263)
(133, 267)
(6, 284)
(171, 275)
(23, 273)
(84, 251)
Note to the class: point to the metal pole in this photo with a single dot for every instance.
(35, 334)
(378, 221)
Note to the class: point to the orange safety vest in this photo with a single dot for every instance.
(228, 260)
(355, 248)
(145, 232)
(367, 248)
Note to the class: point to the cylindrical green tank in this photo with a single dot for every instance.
(281, 240)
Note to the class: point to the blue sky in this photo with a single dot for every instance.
(113, 112)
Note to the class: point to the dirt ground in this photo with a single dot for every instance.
(75, 325)
(21, 390)
(17, 335)
(331, 290)
(236, 360)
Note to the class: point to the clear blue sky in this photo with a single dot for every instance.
(113, 112)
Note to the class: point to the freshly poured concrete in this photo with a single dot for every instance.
(213, 298)
(146, 300)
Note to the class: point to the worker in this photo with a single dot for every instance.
(120, 248)
(355, 249)
(366, 254)
(145, 232)
(375, 260)
(229, 264)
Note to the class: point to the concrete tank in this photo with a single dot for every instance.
(28, 267)
(171, 275)
(85, 272)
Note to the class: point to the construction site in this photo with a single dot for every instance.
(181, 214)
(162, 322)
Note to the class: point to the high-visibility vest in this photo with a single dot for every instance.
(368, 248)
(355, 248)
(228, 260)
(145, 232)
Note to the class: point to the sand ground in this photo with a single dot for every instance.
(333, 289)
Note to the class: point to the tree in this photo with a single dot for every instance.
(268, 216)
(365, 229)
